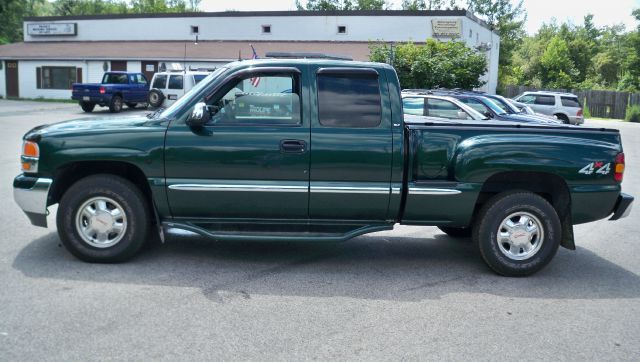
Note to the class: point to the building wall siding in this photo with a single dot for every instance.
(27, 78)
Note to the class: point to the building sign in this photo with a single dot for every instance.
(446, 28)
(52, 29)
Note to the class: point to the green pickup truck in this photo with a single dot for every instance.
(317, 150)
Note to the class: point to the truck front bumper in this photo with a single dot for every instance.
(31, 193)
(623, 206)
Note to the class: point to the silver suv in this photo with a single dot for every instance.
(565, 106)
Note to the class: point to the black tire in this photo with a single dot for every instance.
(490, 221)
(131, 105)
(134, 209)
(456, 232)
(563, 118)
(87, 106)
(115, 106)
(156, 98)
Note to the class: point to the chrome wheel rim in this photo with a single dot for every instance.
(153, 97)
(101, 222)
(520, 236)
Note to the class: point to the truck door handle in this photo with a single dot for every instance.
(293, 146)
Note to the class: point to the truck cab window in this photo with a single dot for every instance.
(349, 100)
(259, 101)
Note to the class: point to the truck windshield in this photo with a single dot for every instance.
(169, 112)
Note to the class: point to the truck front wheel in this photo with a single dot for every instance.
(103, 218)
(517, 232)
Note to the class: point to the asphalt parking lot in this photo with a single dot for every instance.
(413, 293)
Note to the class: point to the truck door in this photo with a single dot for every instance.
(351, 145)
(251, 160)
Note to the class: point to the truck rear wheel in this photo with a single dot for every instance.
(103, 218)
(87, 106)
(115, 105)
(517, 232)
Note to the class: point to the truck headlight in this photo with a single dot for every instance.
(30, 156)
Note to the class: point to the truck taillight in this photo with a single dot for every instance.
(579, 112)
(102, 90)
(619, 167)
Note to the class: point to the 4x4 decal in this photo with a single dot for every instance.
(597, 167)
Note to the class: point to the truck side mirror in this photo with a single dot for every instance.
(199, 116)
(488, 114)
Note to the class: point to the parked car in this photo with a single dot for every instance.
(115, 90)
(490, 107)
(167, 87)
(233, 161)
(421, 104)
(527, 110)
(564, 106)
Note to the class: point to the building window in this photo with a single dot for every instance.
(470, 33)
(342, 29)
(58, 77)
(266, 29)
(195, 29)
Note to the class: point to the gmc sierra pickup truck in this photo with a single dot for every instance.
(284, 150)
(115, 90)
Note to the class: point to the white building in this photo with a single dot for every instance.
(58, 51)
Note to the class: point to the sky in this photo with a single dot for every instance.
(606, 12)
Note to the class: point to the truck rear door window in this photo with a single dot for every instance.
(570, 102)
(349, 100)
(159, 82)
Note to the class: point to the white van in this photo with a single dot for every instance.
(167, 87)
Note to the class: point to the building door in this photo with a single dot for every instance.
(11, 74)
(149, 68)
(119, 65)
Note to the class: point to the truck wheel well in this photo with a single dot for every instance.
(552, 187)
(562, 117)
(69, 174)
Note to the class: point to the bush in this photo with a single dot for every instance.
(433, 64)
(633, 114)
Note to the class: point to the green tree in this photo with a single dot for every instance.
(13, 11)
(434, 64)
(507, 18)
(556, 68)
(318, 5)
